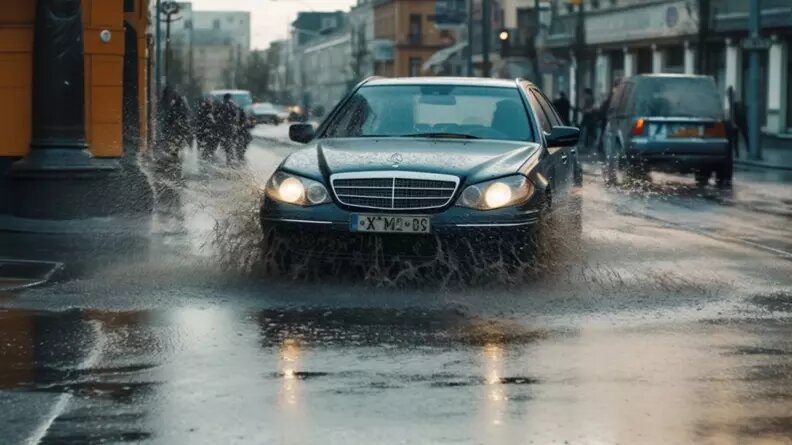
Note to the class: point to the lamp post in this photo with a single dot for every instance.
(168, 9)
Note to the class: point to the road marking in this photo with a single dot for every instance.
(63, 400)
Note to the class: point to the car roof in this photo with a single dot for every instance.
(466, 81)
(216, 92)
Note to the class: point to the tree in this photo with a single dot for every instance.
(360, 52)
(255, 75)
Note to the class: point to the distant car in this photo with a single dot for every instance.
(242, 98)
(666, 122)
(296, 114)
(403, 160)
(283, 113)
(264, 113)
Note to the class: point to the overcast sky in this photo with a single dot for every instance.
(271, 18)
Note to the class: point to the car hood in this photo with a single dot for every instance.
(471, 160)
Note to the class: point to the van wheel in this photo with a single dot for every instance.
(703, 177)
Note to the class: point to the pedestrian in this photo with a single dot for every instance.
(206, 129)
(228, 126)
(243, 136)
(603, 118)
(563, 107)
(588, 123)
(741, 125)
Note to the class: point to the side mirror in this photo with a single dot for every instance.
(563, 136)
(301, 132)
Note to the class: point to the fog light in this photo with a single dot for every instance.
(316, 194)
(291, 190)
(497, 195)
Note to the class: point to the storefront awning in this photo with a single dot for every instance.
(440, 57)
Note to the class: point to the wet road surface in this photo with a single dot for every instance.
(670, 323)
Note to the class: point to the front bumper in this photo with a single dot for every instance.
(332, 218)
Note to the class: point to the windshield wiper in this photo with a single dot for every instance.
(442, 135)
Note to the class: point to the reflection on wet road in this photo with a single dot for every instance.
(190, 375)
(665, 326)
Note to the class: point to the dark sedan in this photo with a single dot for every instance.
(409, 161)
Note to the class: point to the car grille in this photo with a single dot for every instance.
(394, 190)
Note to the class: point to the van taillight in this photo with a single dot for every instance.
(638, 127)
(717, 130)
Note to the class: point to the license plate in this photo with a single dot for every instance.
(663, 131)
(391, 224)
(686, 132)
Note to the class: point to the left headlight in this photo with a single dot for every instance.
(293, 189)
(498, 193)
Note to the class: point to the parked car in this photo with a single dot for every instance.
(414, 161)
(264, 113)
(242, 98)
(665, 122)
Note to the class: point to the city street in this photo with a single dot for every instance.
(670, 323)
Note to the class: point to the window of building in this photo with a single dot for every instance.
(129, 5)
(595, 4)
(188, 24)
(415, 29)
(415, 66)
(216, 24)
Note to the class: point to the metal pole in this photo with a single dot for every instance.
(470, 38)
(158, 49)
(536, 62)
(752, 102)
(167, 48)
(486, 31)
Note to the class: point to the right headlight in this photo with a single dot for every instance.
(293, 189)
(497, 194)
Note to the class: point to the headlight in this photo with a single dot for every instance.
(496, 194)
(292, 189)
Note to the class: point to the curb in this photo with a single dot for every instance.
(761, 164)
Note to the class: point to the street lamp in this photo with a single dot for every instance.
(168, 9)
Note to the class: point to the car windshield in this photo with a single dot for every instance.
(433, 111)
(678, 96)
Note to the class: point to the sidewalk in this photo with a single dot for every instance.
(776, 154)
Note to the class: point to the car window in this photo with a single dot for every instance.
(548, 108)
(544, 122)
(678, 96)
(409, 110)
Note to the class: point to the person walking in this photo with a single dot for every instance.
(563, 106)
(588, 123)
(206, 129)
(228, 118)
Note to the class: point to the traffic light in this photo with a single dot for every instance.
(504, 37)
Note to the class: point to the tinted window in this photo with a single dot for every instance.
(544, 122)
(678, 96)
(403, 110)
(547, 107)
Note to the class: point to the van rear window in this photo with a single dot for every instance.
(678, 97)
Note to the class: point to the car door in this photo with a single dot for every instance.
(561, 159)
(557, 171)
(574, 169)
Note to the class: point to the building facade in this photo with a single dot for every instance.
(408, 26)
(608, 40)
